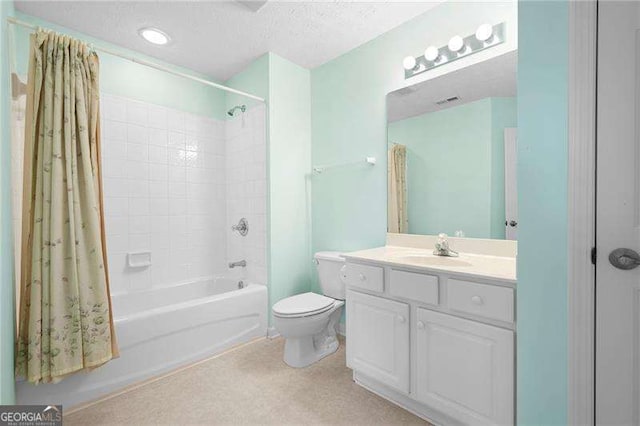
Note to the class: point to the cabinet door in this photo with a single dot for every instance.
(465, 369)
(378, 343)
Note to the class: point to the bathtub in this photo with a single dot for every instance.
(161, 329)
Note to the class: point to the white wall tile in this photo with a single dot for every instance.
(118, 243)
(139, 242)
(176, 120)
(157, 137)
(137, 134)
(137, 152)
(157, 154)
(139, 225)
(114, 149)
(114, 130)
(138, 206)
(137, 170)
(159, 172)
(157, 117)
(149, 154)
(137, 113)
(116, 206)
(113, 107)
(115, 187)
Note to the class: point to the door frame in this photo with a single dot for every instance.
(583, 27)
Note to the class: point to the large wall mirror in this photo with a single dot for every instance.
(452, 153)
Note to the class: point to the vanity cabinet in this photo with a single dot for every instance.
(464, 368)
(379, 347)
(439, 344)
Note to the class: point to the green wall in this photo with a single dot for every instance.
(348, 111)
(253, 79)
(455, 167)
(542, 198)
(286, 86)
(7, 390)
(122, 77)
(289, 165)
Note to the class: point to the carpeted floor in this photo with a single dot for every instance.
(250, 385)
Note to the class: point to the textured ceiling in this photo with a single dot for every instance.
(220, 38)
(496, 77)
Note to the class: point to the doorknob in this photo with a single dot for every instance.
(624, 258)
(511, 223)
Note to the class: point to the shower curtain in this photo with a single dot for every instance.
(397, 220)
(65, 321)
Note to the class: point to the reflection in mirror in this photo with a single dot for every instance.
(452, 153)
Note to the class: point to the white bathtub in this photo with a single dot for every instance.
(161, 329)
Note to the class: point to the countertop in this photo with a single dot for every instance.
(468, 265)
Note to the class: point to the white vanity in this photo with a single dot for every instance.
(433, 334)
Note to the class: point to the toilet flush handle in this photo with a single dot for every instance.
(343, 274)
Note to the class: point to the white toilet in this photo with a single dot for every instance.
(308, 321)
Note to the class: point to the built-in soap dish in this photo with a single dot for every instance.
(139, 259)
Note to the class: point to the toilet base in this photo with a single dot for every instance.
(301, 352)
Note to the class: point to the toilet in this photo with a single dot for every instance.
(308, 321)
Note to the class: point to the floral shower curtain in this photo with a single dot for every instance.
(65, 321)
(397, 220)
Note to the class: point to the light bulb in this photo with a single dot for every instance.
(484, 32)
(456, 44)
(409, 63)
(431, 53)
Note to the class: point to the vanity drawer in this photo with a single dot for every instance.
(365, 276)
(410, 285)
(481, 299)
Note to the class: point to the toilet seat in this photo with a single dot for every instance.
(302, 305)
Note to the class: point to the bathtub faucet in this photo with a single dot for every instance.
(242, 263)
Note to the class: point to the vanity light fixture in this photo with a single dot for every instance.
(409, 63)
(485, 37)
(431, 54)
(154, 36)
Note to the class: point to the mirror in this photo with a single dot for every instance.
(452, 153)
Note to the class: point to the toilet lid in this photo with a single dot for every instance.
(302, 305)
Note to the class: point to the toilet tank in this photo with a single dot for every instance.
(328, 264)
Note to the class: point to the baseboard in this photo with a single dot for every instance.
(403, 401)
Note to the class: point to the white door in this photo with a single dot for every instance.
(618, 214)
(378, 344)
(510, 183)
(464, 368)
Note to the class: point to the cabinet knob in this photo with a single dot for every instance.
(362, 277)
(420, 325)
(477, 300)
(401, 319)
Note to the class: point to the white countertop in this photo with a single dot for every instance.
(466, 265)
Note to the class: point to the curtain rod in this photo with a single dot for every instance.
(15, 21)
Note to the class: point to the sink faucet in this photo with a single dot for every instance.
(242, 263)
(442, 247)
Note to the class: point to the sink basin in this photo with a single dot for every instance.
(427, 260)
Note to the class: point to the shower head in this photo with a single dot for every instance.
(232, 111)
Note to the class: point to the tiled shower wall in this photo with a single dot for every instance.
(165, 190)
(246, 154)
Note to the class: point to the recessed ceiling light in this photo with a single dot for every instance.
(154, 35)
